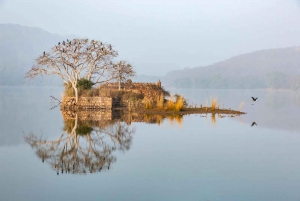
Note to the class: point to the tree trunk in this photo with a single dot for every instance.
(76, 94)
(119, 84)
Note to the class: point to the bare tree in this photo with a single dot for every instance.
(122, 71)
(76, 59)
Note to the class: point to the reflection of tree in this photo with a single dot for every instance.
(83, 147)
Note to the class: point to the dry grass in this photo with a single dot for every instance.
(241, 105)
(148, 104)
(213, 103)
(179, 104)
(170, 105)
(175, 104)
(160, 103)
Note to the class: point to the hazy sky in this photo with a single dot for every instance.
(161, 35)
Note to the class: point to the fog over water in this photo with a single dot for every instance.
(159, 36)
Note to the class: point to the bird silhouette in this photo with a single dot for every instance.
(253, 124)
(254, 99)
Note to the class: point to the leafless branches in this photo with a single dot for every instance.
(76, 59)
(54, 102)
(121, 71)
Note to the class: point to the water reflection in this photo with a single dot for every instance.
(89, 139)
(85, 146)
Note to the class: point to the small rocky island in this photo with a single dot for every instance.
(83, 64)
(143, 98)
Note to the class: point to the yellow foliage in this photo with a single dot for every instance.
(148, 104)
(179, 104)
(160, 103)
(170, 105)
(213, 103)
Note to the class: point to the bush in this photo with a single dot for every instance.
(84, 87)
(84, 84)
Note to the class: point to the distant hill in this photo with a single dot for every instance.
(274, 68)
(19, 47)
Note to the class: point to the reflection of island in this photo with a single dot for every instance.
(103, 117)
(86, 146)
(90, 138)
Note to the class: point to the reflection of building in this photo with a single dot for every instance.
(100, 116)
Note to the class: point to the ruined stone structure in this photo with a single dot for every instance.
(149, 90)
(86, 103)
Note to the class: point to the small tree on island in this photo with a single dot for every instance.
(122, 71)
(77, 59)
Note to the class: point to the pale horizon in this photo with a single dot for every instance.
(157, 37)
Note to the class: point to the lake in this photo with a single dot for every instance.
(49, 156)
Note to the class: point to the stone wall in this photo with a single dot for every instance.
(86, 103)
(150, 91)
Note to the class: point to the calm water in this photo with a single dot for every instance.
(198, 157)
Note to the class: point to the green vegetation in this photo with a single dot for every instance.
(84, 88)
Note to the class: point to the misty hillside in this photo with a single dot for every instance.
(19, 46)
(275, 68)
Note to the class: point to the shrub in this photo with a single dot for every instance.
(84, 84)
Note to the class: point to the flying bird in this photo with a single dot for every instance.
(254, 99)
(253, 124)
